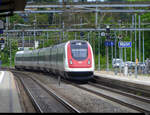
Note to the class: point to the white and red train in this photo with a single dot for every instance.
(72, 60)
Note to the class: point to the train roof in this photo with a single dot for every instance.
(70, 42)
(78, 41)
(20, 52)
(55, 46)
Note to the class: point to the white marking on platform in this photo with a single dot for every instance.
(1, 76)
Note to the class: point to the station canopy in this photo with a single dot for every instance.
(7, 7)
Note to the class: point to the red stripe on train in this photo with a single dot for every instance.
(79, 64)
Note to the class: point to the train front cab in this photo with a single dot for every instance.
(80, 60)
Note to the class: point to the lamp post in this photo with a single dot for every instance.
(23, 39)
(107, 38)
(34, 23)
(10, 52)
(99, 52)
(135, 51)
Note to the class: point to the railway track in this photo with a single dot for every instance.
(43, 98)
(139, 103)
(130, 100)
(130, 89)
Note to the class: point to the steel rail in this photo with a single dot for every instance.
(50, 92)
(98, 85)
(125, 88)
(33, 100)
(133, 106)
(139, 98)
(61, 100)
(123, 102)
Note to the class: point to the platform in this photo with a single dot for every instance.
(141, 81)
(9, 99)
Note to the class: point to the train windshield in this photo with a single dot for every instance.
(79, 50)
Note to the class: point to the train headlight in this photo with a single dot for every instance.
(71, 62)
(89, 62)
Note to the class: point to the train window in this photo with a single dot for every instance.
(79, 52)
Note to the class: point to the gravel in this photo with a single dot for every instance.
(82, 100)
(46, 102)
